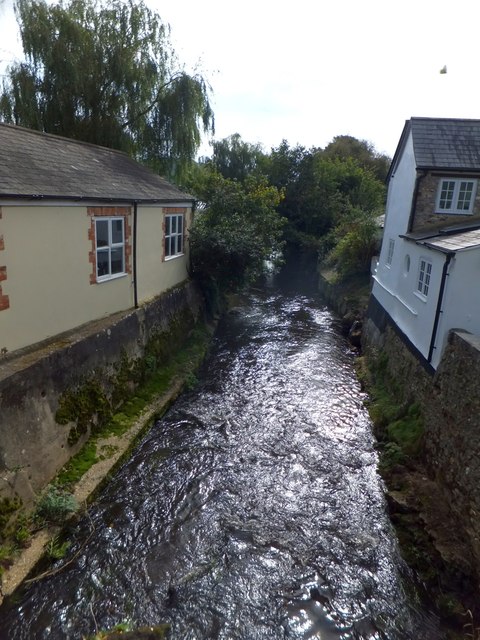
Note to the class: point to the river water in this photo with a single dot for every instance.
(252, 510)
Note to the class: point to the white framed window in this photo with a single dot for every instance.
(424, 276)
(173, 235)
(456, 196)
(109, 247)
(391, 248)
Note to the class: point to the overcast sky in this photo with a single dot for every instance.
(308, 70)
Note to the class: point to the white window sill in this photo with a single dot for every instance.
(177, 255)
(420, 296)
(116, 276)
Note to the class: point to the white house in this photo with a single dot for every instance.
(85, 232)
(427, 281)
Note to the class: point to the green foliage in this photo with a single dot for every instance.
(78, 465)
(362, 151)
(87, 406)
(8, 507)
(407, 431)
(126, 631)
(55, 505)
(324, 188)
(6, 557)
(55, 549)
(235, 159)
(398, 423)
(237, 232)
(355, 241)
(107, 74)
(183, 359)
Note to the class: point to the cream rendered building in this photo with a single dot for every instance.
(85, 232)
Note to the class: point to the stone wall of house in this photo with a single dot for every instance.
(425, 216)
(450, 399)
(33, 446)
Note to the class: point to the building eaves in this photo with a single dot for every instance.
(449, 240)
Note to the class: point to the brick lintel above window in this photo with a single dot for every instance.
(110, 256)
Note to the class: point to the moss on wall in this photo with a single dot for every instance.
(89, 405)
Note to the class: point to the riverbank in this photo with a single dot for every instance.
(91, 468)
(430, 543)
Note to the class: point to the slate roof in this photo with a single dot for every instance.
(446, 143)
(36, 164)
(441, 143)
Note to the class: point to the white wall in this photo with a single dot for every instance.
(413, 313)
(395, 285)
(461, 300)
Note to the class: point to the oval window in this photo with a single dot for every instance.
(406, 265)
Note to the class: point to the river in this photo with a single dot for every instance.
(252, 510)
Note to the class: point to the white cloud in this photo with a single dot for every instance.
(307, 71)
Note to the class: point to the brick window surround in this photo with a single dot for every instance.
(169, 211)
(4, 300)
(110, 212)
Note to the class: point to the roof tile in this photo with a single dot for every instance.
(446, 143)
(33, 163)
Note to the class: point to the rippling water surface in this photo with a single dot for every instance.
(252, 510)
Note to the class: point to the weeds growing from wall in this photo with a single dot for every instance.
(397, 419)
(88, 407)
(153, 375)
(55, 506)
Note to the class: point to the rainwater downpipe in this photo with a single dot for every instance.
(438, 311)
(134, 254)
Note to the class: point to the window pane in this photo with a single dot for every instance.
(103, 263)
(446, 195)
(167, 247)
(117, 231)
(465, 196)
(180, 224)
(167, 225)
(101, 227)
(117, 260)
(173, 223)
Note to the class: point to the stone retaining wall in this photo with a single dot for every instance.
(450, 400)
(33, 446)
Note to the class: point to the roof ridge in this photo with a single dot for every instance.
(57, 137)
(442, 119)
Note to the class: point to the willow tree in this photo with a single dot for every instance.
(107, 74)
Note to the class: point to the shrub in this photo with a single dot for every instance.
(56, 505)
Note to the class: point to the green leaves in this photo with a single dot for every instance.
(237, 232)
(107, 74)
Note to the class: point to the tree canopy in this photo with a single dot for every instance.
(237, 232)
(107, 74)
(236, 159)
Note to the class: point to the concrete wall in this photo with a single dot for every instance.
(450, 401)
(33, 447)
